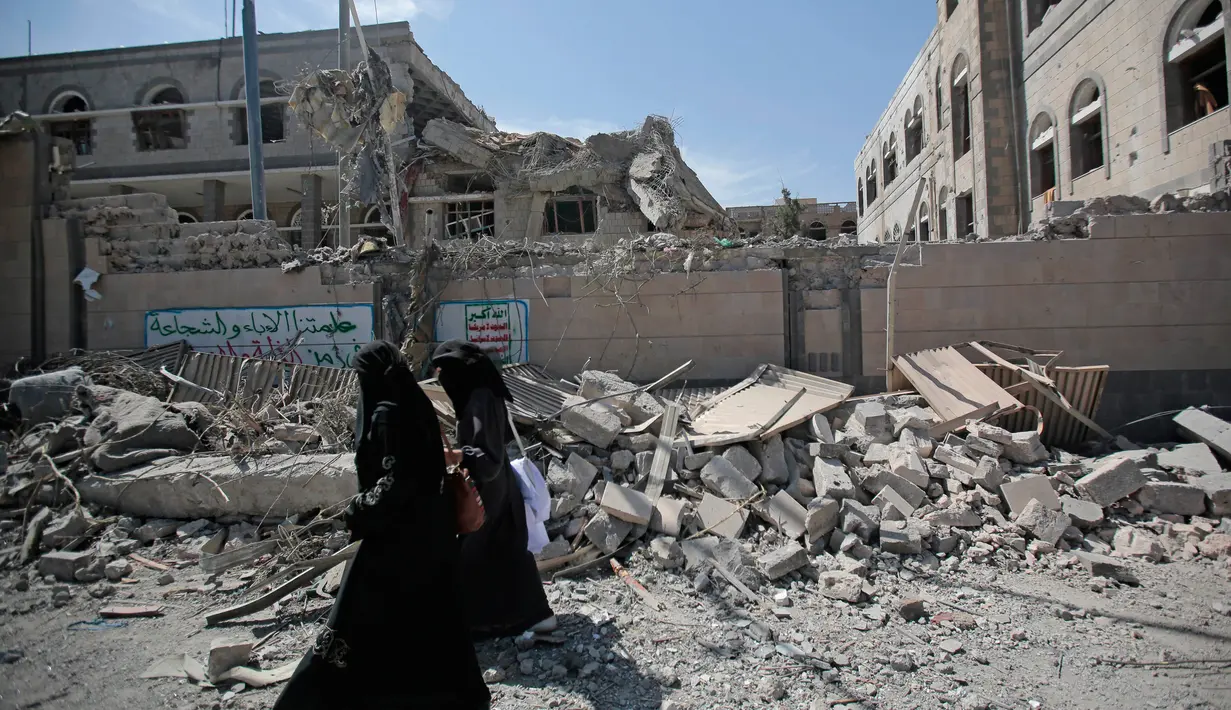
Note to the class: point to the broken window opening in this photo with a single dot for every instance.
(273, 117)
(79, 132)
(925, 231)
(161, 129)
(940, 101)
(246, 214)
(817, 231)
(185, 218)
(1036, 12)
(1042, 156)
(871, 175)
(470, 219)
(470, 182)
(1195, 73)
(960, 102)
(848, 227)
(891, 160)
(1086, 129)
(859, 189)
(966, 214)
(914, 131)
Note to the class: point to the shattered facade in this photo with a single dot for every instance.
(1010, 106)
(824, 220)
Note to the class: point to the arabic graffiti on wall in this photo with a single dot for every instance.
(327, 335)
(500, 327)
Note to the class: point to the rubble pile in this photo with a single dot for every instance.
(243, 244)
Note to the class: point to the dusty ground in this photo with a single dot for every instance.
(708, 649)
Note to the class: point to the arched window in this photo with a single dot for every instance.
(897, 232)
(1195, 65)
(162, 129)
(848, 227)
(273, 125)
(1086, 129)
(960, 103)
(186, 217)
(950, 8)
(870, 174)
(942, 214)
(1036, 10)
(373, 226)
(1043, 175)
(859, 188)
(925, 226)
(246, 214)
(888, 237)
(914, 130)
(816, 230)
(891, 159)
(80, 131)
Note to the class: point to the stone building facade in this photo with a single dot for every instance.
(821, 220)
(1012, 104)
(193, 148)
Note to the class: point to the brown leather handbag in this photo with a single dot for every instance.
(467, 504)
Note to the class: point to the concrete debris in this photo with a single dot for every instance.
(1113, 479)
(46, 397)
(1218, 489)
(607, 532)
(1045, 523)
(743, 461)
(640, 406)
(724, 479)
(783, 561)
(1173, 498)
(1194, 459)
(1198, 425)
(843, 586)
(594, 423)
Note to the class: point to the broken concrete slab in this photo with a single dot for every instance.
(1131, 542)
(915, 417)
(1083, 513)
(130, 429)
(155, 530)
(607, 532)
(921, 444)
(1217, 488)
(692, 462)
(831, 479)
(1194, 459)
(892, 505)
(188, 488)
(988, 475)
(1174, 498)
(843, 586)
(721, 516)
(1114, 479)
(1044, 523)
(955, 516)
(822, 518)
(899, 538)
(783, 561)
(990, 432)
(1199, 425)
(640, 406)
(1026, 448)
(1021, 490)
(873, 421)
(743, 461)
(914, 495)
(862, 520)
(984, 447)
(772, 461)
(47, 397)
(1104, 566)
(949, 455)
(723, 478)
(668, 516)
(627, 504)
(622, 460)
(906, 463)
(225, 654)
(66, 528)
(575, 475)
(784, 512)
(64, 565)
(594, 423)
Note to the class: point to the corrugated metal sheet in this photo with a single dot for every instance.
(1081, 386)
(952, 385)
(170, 356)
(754, 407)
(692, 398)
(260, 380)
(536, 396)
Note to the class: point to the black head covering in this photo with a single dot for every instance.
(384, 376)
(464, 368)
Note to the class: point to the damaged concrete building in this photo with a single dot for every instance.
(820, 220)
(1012, 106)
(170, 119)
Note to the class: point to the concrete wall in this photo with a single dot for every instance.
(727, 322)
(17, 199)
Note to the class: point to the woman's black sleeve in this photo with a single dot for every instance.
(378, 506)
(481, 435)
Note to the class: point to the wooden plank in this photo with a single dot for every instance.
(952, 385)
(239, 556)
(129, 612)
(663, 450)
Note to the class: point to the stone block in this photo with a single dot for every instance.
(892, 505)
(721, 477)
(906, 462)
(1044, 523)
(821, 518)
(913, 495)
(783, 561)
(862, 520)
(1198, 425)
(668, 516)
(1113, 480)
(1174, 498)
(642, 442)
(64, 565)
(773, 461)
(66, 528)
(947, 454)
(574, 476)
(595, 424)
(622, 460)
(831, 479)
(721, 516)
(627, 504)
(873, 420)
(1130, 542)
(743, 461)
(784, 512)
(843, 586)
(984, 447)
(1025, 448)
(155, 530)
(955, 516)
(1103, 566)
(990, 432)
(877, 453)
(915, 417)
(225, 654)
(607, 532)
(696, 462)
(1020, 491)
(1217, 488)
(921, 444)
(988, 474)
(900, 538)
(1194, 459)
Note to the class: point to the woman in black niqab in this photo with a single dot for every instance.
(401, 587)
(500, 580)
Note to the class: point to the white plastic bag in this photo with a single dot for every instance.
(534, 493)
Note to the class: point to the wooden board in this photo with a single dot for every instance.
(953, 386)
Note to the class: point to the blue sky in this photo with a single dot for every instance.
(781, 91)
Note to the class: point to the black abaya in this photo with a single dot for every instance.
(500, 581)
(400, 590)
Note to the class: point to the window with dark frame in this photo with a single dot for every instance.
(1042, 156)
(871, 183)
(859, 188)
(79, 132)
(966, 215)
(1086, 131)
(914, 135)
(891, 160)
(1036, 10)
(467, 183)
(817, 231)
(961, 119)
(161, 129)
(848, 227)
(1195, 76)
(470, 219)
(571, 214)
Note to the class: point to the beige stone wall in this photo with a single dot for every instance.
(726, 322)
(118, 320)
(1120, 44)
(16, 199)
(1145, 292)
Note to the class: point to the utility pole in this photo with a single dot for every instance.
(252, 97)
(344, 235)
